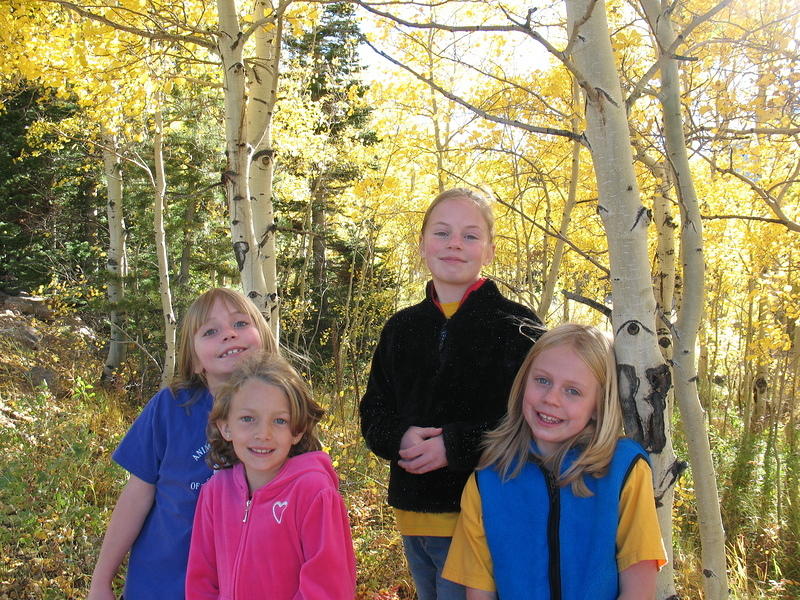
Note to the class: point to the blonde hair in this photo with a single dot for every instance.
(484, 206)
(508, 447)
(197, 314)
(304, 412)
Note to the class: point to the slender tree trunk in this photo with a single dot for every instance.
(238, 151)
(302, 278)
(261, 107)
(117, 261)
(160, 184)
(644, 377)
(712, 534)
(188, 241)
(558, 250)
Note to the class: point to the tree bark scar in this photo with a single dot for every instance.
(253, 295)
(708, 573)
(660, 380)
(268, 154)
(628, 386)
(673, 473)
(240, 250)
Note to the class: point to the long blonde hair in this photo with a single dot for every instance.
(197, 314)
(508, 447)
(304, 412)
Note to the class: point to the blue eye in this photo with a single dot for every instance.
(542, 380)
(471, 237)
(573, 391)
(281, 421)
(240, 324)
(208, 332)
(247, 419)
(440, 233)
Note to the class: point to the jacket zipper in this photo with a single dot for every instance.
(240, 550)
(553, 543)
(442, 336)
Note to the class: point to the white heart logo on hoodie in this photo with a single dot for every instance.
(278, 509)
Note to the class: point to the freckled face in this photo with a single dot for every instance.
(258, 426)
(455, 245)
(561, 395)
(225, 337)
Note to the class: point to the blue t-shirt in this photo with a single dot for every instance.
(166, 446)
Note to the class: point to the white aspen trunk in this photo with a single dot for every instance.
(712, 534)
(238, 152)
(160, 185)
(117, 260)
(644, 377)
(558, 250)
(664, 286)
(263, 93)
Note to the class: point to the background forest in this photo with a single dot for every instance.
(128, 129)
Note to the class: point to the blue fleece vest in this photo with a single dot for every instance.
(548, 544)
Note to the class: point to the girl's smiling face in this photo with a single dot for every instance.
(221, 341)
(259, 427)
(455, 245)
(561, 395)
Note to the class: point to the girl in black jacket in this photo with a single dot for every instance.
(440, 378)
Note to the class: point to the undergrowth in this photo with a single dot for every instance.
(58, 486)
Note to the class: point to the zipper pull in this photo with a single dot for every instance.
(247, 510)
(442, 337)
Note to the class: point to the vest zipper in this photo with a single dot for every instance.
(553, 543)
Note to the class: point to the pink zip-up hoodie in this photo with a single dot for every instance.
(291, 541)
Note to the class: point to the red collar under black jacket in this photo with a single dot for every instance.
(293, 543)
(454, 373)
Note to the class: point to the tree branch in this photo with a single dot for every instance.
(478, 111)
(588, 302)
(668, 53)
(159, 36)
(555, 234)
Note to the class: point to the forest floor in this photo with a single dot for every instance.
(58, 485)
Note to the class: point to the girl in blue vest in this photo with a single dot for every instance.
(164, 451)
(561, 506)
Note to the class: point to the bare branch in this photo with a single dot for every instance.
(751, 130)
(588, 302)
(159, 36)
(525, 28)
(554, 234)
(742, 218)
(669, 53)
(478, 111)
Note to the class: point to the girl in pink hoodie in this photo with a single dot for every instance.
(270, 523)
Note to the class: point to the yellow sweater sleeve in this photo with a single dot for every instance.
(638, 533)
(469, 562)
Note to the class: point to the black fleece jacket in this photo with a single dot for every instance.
(454, 373)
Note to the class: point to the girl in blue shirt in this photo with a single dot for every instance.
(164, 451)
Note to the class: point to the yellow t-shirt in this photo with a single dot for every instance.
(419, 523)
(638, 535)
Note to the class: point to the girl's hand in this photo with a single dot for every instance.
(422, 450)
